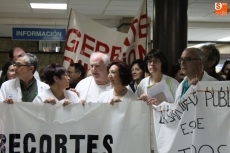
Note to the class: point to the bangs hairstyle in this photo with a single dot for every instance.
(142, 65)
(52, 70)
(156, 53)
(124, 72)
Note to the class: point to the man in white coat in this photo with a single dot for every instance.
(25, 87)
(91, 87)
(192, 65)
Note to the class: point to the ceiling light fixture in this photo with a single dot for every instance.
(48, 6)
(224, 39)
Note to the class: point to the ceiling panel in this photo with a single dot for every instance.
(109, 12)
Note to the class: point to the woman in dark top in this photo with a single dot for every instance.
(138, 70)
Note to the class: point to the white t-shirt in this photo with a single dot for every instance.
(106, 96)
(40, 98)
(90, 91)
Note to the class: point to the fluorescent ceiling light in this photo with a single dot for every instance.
(224, 39)
(48, 6)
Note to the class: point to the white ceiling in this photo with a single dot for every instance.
(203, 24)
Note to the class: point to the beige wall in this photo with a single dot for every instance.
(30, 46)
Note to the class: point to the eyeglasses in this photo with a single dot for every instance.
(154, 61)
(187, 59)
(20, 65)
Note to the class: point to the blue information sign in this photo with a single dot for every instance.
(38, 34)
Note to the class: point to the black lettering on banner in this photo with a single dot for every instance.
(194, 148)
(2, 143)
(184, 150)
(175, 114)
(162, 118)
(60, 145)
(183, 129)
(48, 140)
(171, 114)
(199, 151)
(183, 105)
(218, 149)
(90, 144)
(191, 101)
(192, 125)
(77, 141)
(13, 144)
(222, 98)
(198, 123)
(209, 96)
(203, 149)
(106, 144)
(25, 143)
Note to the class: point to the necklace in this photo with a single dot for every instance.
(122, 93)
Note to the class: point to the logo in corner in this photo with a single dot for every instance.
(221, 8)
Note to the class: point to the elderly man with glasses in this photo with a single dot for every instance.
(192, 65)
(25, 87)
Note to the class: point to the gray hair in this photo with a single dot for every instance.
(214, 53)
(30, 59)
(199, 53)
(105, 57)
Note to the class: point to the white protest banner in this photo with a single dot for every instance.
(85, 36)
(35, 127)
(200, 123)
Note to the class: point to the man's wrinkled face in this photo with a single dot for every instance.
(98, 69)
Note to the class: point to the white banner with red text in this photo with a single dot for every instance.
(33, 127)
(199, 123)
(85, 36)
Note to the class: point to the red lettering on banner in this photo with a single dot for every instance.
(115, 53)
(133, 28)
(124, 57)
(126, 42)
(74, 42)
(100, 45)
(70, 60)
(143, 27)
(131, 54)
(141, 51)
(83, 64)
(86, 45)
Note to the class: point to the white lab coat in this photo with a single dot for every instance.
(12, 89)
(205, 77)
(40, 98)
(107, 96)
(146, 82)
(90, 91)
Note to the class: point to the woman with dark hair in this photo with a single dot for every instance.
(157, 66)
(8, 72)
(58, 79)
(225, 69)
(138, 70)
(119, 77)
(176, 72)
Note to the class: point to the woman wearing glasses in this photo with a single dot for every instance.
(157, 66)
(57, 78)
